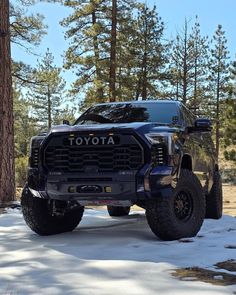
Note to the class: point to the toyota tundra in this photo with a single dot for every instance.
(154, 154)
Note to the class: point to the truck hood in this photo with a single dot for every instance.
(138, 127)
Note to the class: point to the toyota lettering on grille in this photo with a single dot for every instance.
(91, 140)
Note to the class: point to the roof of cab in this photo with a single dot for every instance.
(143, 101)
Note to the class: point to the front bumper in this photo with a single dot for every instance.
(105, 188)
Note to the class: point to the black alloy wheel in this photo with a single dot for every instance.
(183, 205)
(181, 214)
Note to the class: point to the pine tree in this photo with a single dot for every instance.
(113, 57)
(23, 124)
(87, 32)
(149, 53)
(198, 98)
(182, 64)
(96, 49)
(7, 186)
(230, 128)
(124, 61)
(26, 126)
(219, 75)
(27, 31)
(229, 134)
(47, 95)
(189, 68)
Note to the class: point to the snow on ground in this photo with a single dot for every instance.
(109, 256)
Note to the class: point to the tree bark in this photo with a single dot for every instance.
(144, 86)
(144, 63)
(7, 173)
(218, 115)
(195, 106)
(99, 87)
(177, 87)
(49, 103)
(185, 67)
(112, 86)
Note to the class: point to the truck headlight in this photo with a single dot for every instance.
(156, 138)
(167, 139)
(34, 151)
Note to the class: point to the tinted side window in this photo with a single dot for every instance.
(188, 117)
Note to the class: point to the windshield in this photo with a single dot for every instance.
(166, 113)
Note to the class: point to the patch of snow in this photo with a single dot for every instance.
(105, 256)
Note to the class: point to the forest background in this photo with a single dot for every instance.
(115, 51)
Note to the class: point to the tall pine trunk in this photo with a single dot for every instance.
(49, 104)
(99, 87)
(177, 88)
(112, 86)
(218, 115)
(185, 67)
(144, 63)
(144, 80)
(7, 173)
(195, 97)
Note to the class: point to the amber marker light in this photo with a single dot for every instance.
(107, 189)
(175, 137)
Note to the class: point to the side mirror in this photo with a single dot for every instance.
(203, 124)
(65, 122)
(200, 125)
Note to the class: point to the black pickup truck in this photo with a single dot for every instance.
(154, 154)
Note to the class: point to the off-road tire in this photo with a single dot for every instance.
(214, 201)
(181, 214)
(118, 211)
(38, 217)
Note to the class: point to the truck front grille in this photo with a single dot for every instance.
(65, 158)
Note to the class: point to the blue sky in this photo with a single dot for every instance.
(210, 14)
(173, 12)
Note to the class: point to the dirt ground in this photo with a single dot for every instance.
(229, 195)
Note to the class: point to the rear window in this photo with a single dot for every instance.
(127, 113)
